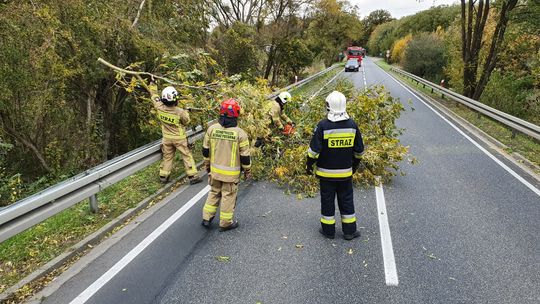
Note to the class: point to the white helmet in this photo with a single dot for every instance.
(336, 104)
(169, 95)
(284, 97)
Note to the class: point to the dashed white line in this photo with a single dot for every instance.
(364, 73)
(113, 271)
(390, 270)
(495, 159)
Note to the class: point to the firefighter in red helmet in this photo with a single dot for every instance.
(226, 154)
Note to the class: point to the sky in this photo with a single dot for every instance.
(398, 8)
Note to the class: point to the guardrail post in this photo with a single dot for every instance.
(513, 134)
(94, 203)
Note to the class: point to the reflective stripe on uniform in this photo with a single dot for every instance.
(348, 218)
(233, 154)
(244, 143)
(169, 118)
(164, 173)
(334, 173)
(328, 220)
(210, 208)
(225, 170)
(358, 155)
(227, 216)
(312, 153)
(334, 133)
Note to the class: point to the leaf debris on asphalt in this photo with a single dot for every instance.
(350, 251)
(299, 246)
(223, 258)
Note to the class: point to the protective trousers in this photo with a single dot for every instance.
(169, 147)
(344, 192)
(226, 193)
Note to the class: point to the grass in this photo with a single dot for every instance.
(522, 144)
(27, 251)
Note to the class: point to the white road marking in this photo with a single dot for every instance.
(364, 73)
(390, 271)
(113, 271)
(495, 159)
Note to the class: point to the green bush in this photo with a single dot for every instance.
(512, 95)
(425, 57)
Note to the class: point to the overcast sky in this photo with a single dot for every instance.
(398, 8)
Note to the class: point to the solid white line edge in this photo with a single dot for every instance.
(390, 270)
(495, 159)
(130, 256)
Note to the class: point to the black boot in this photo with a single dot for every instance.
(207, 223)
(164, 179)
(194, 180)
(232, 226)
(349, 237)
(329, 236)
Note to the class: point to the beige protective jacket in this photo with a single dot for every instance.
(228, 151)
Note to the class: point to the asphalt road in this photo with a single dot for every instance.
(463, 229)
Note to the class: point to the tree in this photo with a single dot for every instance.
(425, 56)
(473, 22)
(376, 18)
(399, 47)
(334, 25)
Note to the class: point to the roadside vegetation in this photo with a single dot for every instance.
(493, 58)
(522, 144)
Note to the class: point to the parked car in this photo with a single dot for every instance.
(352, 65)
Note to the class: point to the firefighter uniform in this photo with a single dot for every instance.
(276, 114)
(173, 122)
(336, 148)
(227, 151)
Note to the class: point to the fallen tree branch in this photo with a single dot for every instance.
(170, 81)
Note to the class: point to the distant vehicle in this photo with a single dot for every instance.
(356, 52)
(352, 65)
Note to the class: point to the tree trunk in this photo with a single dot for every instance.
(270, 61)
(496, 42)
(471, 43)
(27, 143)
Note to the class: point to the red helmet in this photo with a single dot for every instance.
(229, 108)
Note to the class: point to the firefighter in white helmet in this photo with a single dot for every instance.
(173, 121)
(277, 117)
(336, 147)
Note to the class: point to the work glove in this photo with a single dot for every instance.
(247, 174)
(258, 142)
(309, 169)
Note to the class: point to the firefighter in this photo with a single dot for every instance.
(173, 121)
(226, 153)
(274, 110)
(336, 147)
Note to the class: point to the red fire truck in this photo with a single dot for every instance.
(356, 52)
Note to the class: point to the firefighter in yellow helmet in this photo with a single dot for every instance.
(173, 121)
(226, 153)
(276, 116)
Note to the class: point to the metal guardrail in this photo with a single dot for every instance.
(510, 121)
(34, 209)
